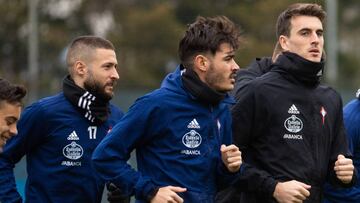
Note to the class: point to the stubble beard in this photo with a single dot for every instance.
(95, 87)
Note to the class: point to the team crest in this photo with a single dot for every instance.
(192, 139)
(293, 124)
(323, 114)
(73, 151)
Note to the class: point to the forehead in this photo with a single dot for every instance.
(305, 22)
(8, 109)
(225, 48)
(100, 52)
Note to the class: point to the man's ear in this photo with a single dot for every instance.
(80, 68)
(283, 41)
(201, 62)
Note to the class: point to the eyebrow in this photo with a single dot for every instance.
(230, 55)
(109, 63)
(309, 29)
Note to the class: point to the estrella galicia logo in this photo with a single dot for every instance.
(192, 139)
(73, 151)
(293, 124)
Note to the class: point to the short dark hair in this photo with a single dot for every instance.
(206, 35)
(82, 46)
(283, 24)
(11, 93)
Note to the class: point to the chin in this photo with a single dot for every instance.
(110, 94)
(226, 89)
(313, 58)
(316, 60)
(230, 87)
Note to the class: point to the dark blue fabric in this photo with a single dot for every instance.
(170, 148)
(58, 143)
(352, 126)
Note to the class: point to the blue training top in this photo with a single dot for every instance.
(177, 141)
(352, 125)
(58, 143)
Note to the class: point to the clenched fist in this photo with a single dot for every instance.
(231, 156)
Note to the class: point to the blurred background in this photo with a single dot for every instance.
(34, 36)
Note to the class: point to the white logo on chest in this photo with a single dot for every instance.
(194, 124)
(293, 110)
(293, 124)
(192, 139)
(73, 151)
(73, 136)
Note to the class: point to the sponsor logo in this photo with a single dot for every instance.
(190, 152)
(293, 110)
(71, 163)
(293, 124)
(293, 137)
(73, 136)
(192, 139)
(194, 124)
(73, 151)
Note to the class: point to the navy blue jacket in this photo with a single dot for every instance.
(352, 126)
(177, 141)
(58, 143)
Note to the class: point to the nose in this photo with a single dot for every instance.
(115, 74)
(315, 38)
(13, 129)
(235, 66)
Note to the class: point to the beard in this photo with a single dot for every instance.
(97, 88)
(215, 79)
(212, 79)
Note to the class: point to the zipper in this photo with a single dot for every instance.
(212, 119)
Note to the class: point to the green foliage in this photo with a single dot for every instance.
(146, 34)
(12, 38)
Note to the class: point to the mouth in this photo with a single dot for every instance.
(4, 139)
(314, 51)
(110, 85)
(233, 78)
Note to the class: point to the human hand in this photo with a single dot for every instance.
(231, 157)
(344, 169)
(291, 191)
(168, 194)
(114, 194)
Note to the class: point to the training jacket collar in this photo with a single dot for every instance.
(307, 72)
